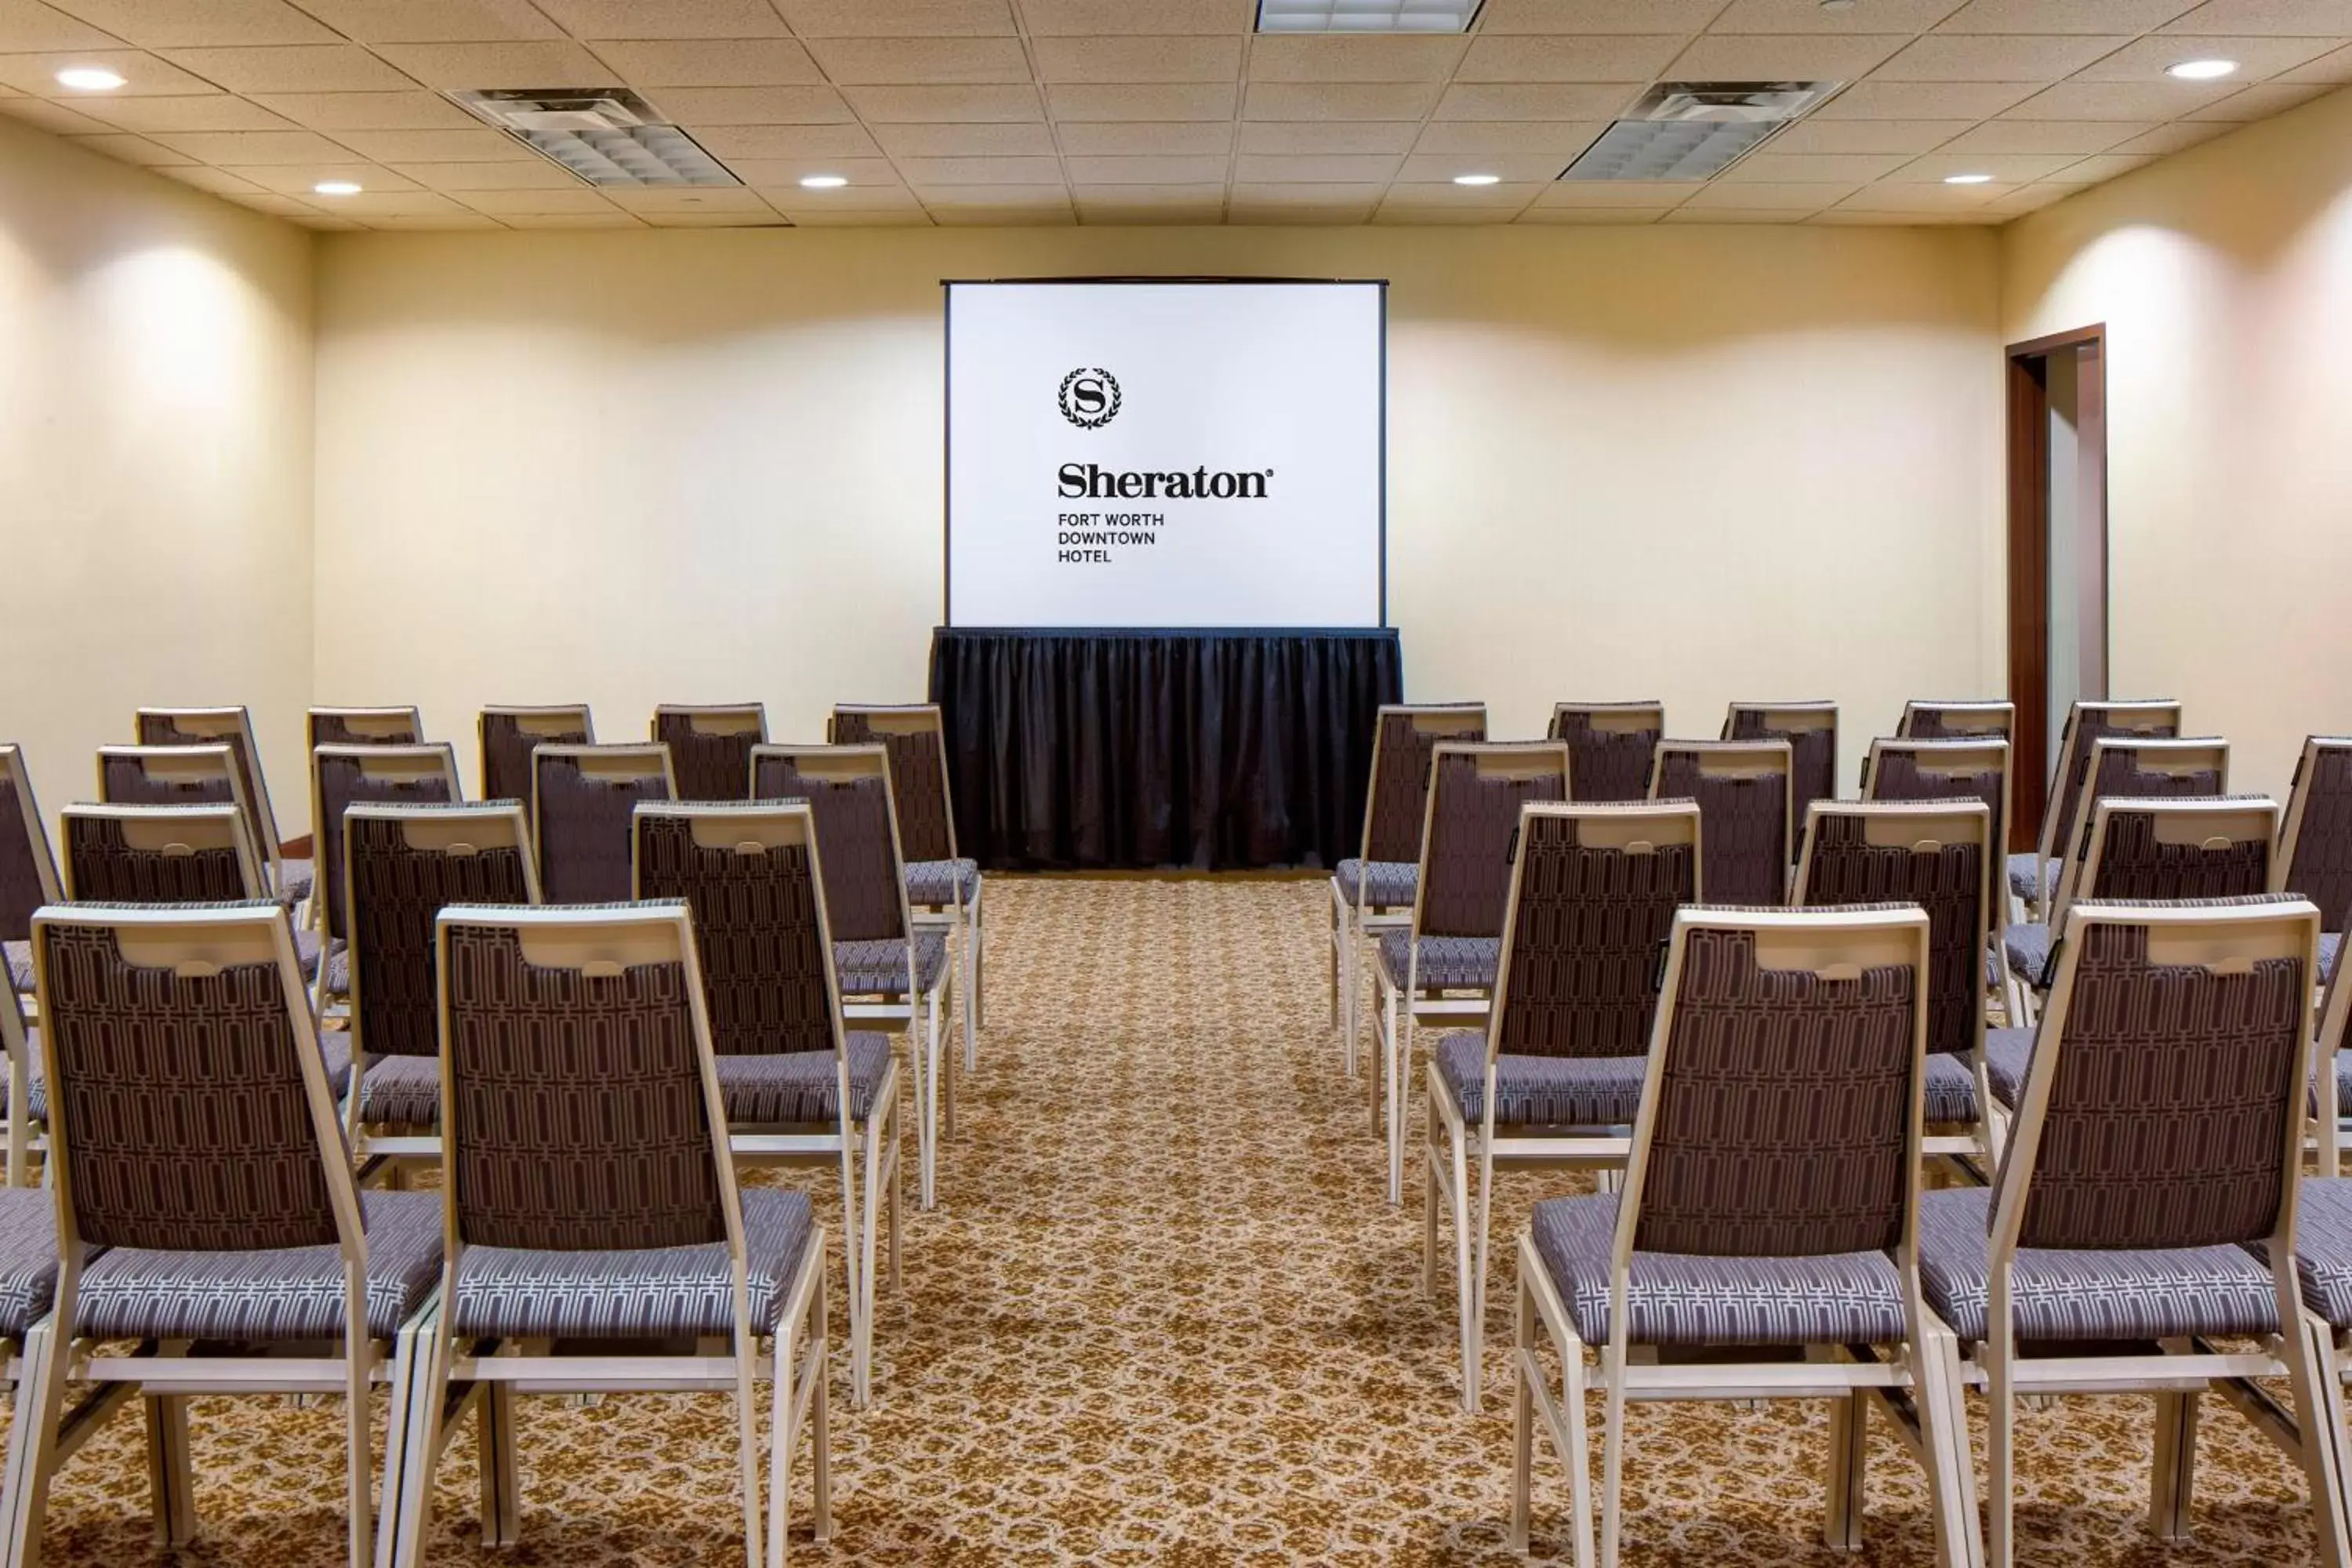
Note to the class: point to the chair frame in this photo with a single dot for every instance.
(1932, 1423)
(730, 719)
(2298, 798)
(26, 1137)
(1740, 758)
(620, 759)
(2079, 878)
(2001, 722)
(1519, 1146)
(383, 726)
(798, 1366)
(554, 719)
(1808, 716)
(407, 759)
(2143, 719)
(1952, 756)
(36, 833)
(1611, 718)
(219, 817)
(234, 728)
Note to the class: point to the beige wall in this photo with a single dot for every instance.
(155, 462)
(2224, 277)
(625, 468)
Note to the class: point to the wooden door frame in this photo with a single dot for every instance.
(2028, 395)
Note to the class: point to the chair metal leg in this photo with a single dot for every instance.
(1848, 1455)
(1523, 1419)
(494, 1440)
(400, 1543)
(1481, 1217)
(746, 1344)
(979, 955)
(1332, 957)
(170, 1476)
(2320, 1413)
(403, 1421)
(2172, 1483)
(931, 1049)
(1941, 1401)
(820, 1424)
(359, 1465)
(1464, 1284)
(967, 989)
(1429, 1205)
(2000, 1462)
(33, 1438)
(1399, 1063)
(1612, 1446)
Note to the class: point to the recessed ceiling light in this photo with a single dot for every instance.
(1477, 179)
(337, 188)
(89, 78)
(1968, 179)
(824, 181)
(2203, 71)
(1366, 15)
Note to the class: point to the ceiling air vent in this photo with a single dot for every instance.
(605, 135)
(1694, 129)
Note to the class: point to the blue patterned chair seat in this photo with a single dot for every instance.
(794, 1087)
(2022, 871)
(19, 956)
(338, 971)
(2329, 941)
(879, 968)
(295, 880)
(663, 1292)
(2071, 1294)
(1677, 1299)
(2322, 1247)
(2008, 1053)
(936, 884)
(1950, 1088)
(1447, 963)
(2029, 952)
(280, 1293)
(1541, 1092)
(401, 1091)
(1383, 884)
(28, 1257)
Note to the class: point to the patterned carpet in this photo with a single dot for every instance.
(1163, 1316)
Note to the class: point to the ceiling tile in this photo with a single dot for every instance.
(1916, 198)
(601, 19)
(1329, 57)
(2126, 16)
(887, 217)
(896, 18)
(433, 21)
(1144, 102)
(478, 144)
(1391, 215)
(1624, 57)
(2027, 56)
(1246, 193)
(271, 202)
(2333, 69)
(1087, 18)
(1537, 101)
(220, 181)
(1147, 171)
(1813, 168)
(520, 174)
(1004, 217)
(54, 118)
(1115, 213)
(943, 105)
(234, 149)
(412, 111)
(185, 23)
(1563, 138)
(765, 174)
(1342, 101)
(207, 111)
(143, 75)
(1427, 168)
(497, 65)
(704, 62)
(1257, 214)
(1863, 218)
(2076, 136)
(1915, 136)
(793, 200)
(1444, 194)
(926, 172)
(2262, 102)
(853, 62)
(1321, 169)
(1808, 17)
(2257, 58)
(1686, 214)
(2029, 198)
(1810, 197)
(309, 68)
(368, 203)
(983, 140)
(762, 217)
(698, 106)
(1012, 196)
(1797, 57)
(1970, 101)
(28, 24)
(610, 217)
(572, 197)
(1592, 217)
(296, 179)
(1138, 59)
(1148, 194)
(645, 200)
(2008, 169)
(1106, 138)
(124, 148)
(1617, 193)
(432, 221)
(2157, 101)
(2176, 137)
(841, 140)
(2308, 18)
(1597, 16)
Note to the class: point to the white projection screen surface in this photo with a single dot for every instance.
(1183, 455)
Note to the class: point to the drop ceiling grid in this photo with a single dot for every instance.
(917, 101)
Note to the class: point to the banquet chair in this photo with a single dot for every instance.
(1440, 969)
(1978, 769)
(1373, 891)
(1812, 730)
(1968, 720)
(943, 889)
(800, 1089)
(1743, 795)
(404, 865)
(363, 727)
(581, 800)
(1939, 854)
(2314, 856)
(1611, 746)
(711, 747)
(509, 735)
(1742, 1240)
(891, 972)
(342, 775)
(29, 872)
(571, 1268)
(2032, 877)
(1554, 1080)
(266, 1274)
(2158, 1142)
(233, 727)
(171, 775)
(27, 1107)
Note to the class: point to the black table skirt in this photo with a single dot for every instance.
(1094, 749)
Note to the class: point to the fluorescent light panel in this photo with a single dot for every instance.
(1366, 15)
(1694, 130)
(603, 136)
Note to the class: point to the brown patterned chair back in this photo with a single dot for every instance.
(171, 775)
(1782, 1114)
(1966, 720)
(752, 876)
(1742, 790)
(2160, 850)
(848, 790)
(1928, 770)
(1474, 795)
(915, 735)
(711, 748)
(2087, 723)
(509, 736)
(343, 775)
(2164, 1107)
(233, 728)
(1595, 888)
(1938, 854)
(1811, 730)
(2137, 769)
(581, 797)
(188, 1102)
(28, 873)
(2315, 846)
(365, 727)
(407, 864)
(557, 1019)
(160, 855)
(1396, 801)
(1611, 746)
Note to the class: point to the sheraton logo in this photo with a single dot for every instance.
(1092, 481)
(1090, 398)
